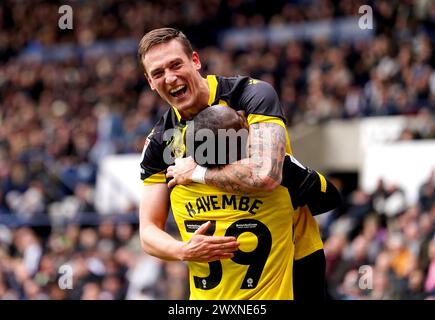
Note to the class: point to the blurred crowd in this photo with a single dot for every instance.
(59, 118)
(87, 262)
(379, 247)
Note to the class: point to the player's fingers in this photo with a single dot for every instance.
(203, 228)
(222, 239)
(169, 174)
(172, 183)
(227, 247)
(220, 257)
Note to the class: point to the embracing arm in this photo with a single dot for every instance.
(153, 213)
(262, 170)
(157, 242)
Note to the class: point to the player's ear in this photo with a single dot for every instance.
(196, 61)
(150, 82)
(243, 120)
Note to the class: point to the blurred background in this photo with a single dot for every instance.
(75, 109)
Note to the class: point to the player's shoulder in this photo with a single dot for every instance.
(229, 84)
(259, 88)
(245, 89)
(166, 122)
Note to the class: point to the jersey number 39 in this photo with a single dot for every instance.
(255, 259)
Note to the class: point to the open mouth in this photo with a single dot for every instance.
(178, 91)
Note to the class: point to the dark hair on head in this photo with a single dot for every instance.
(162, 35)
(214, 118)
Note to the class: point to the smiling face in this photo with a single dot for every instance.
(176, 78)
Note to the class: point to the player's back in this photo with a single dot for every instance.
(262, 223)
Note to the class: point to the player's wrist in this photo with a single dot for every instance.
(180, 251)
(198, 174)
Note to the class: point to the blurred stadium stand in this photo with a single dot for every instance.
(359, 103)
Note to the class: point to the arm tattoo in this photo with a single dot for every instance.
(266, 151)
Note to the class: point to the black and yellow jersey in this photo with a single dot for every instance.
(261, 104)
(257, 98)
(262, 268)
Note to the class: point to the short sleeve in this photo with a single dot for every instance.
(152, 165)
(260, 98)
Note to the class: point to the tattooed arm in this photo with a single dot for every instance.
(262, 170)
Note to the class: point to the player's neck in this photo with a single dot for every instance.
(201, 101)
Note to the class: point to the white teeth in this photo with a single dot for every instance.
(176, 88)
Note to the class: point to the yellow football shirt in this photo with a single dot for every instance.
(262, 268)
